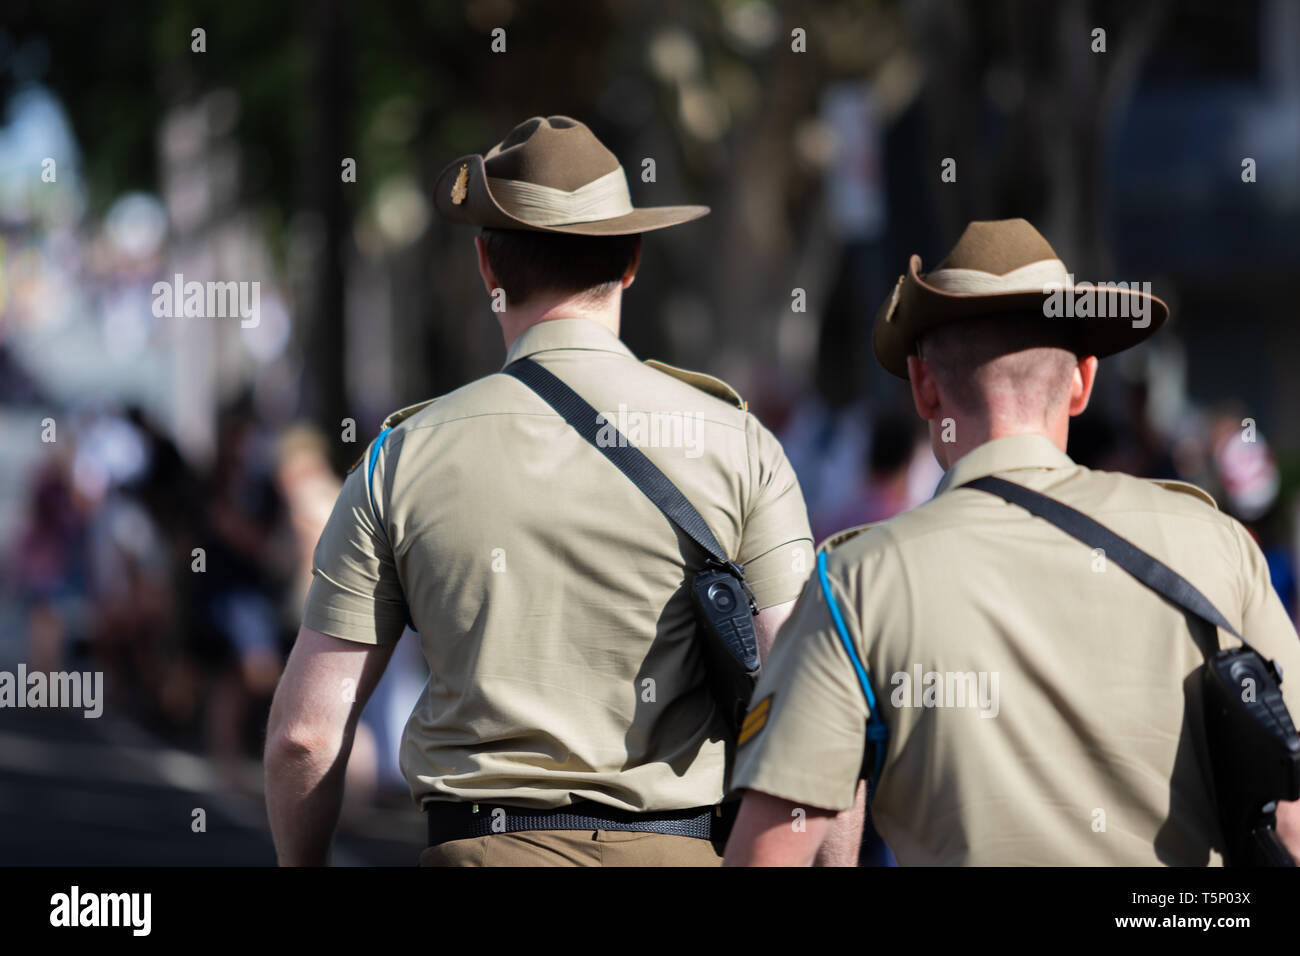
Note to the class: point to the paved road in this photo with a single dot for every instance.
(79, 792)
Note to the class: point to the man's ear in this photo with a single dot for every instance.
(629, 275)
(925, 392)
(1082, 379)
(484, 267)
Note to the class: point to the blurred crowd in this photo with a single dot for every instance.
(183, 585)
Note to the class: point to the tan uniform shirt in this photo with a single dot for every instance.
(546, 588)
(1059, 726)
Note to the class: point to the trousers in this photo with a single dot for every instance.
(574, 848)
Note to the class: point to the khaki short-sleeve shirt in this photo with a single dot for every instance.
(1039, 701)
(548, 591)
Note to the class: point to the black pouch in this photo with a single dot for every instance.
(1254, 754)
(724, 610)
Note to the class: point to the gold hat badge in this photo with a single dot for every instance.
(460, 188)
(893, 299)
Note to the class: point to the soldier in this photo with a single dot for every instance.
(1034, 703)
(566, 718)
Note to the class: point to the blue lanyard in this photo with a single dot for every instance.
(876, 729)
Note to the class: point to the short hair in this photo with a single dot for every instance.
(1018, 360)
(527, 264)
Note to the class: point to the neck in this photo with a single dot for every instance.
(970, 433)
(517, 320)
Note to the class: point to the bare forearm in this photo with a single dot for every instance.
(844, 835)
(325, 684)
(1288, 827)
(770, 831)
(768, 623)
(304, 792)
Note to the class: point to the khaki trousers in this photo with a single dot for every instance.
(574, 848)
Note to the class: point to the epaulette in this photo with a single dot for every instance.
(705, 383)
(840, 537)
(402, 414)
(396, 418)
(1187, 488)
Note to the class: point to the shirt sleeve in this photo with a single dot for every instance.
(355, 593)
(776, 542)
(804, 737)
(1265, 622)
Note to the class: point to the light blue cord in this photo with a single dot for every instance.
(876, 729)
(370, 490)
(370, 475)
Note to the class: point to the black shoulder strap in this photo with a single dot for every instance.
(629, 459)
(1159, 577)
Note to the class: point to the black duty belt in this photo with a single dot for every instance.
(461, 821)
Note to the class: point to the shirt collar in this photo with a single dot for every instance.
(1010, 453)
(566, 334)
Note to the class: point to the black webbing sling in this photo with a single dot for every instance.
(1159, 577)
(630, 460)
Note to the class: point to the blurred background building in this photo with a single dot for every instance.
(133, 149)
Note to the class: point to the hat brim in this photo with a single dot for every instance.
(920, 307)
(480, 208)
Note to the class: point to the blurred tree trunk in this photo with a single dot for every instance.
(324, 201)
(1061, 101)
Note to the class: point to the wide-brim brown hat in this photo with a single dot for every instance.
(551, 174)
(1007, 267)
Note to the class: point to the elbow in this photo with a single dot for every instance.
(290, 746)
